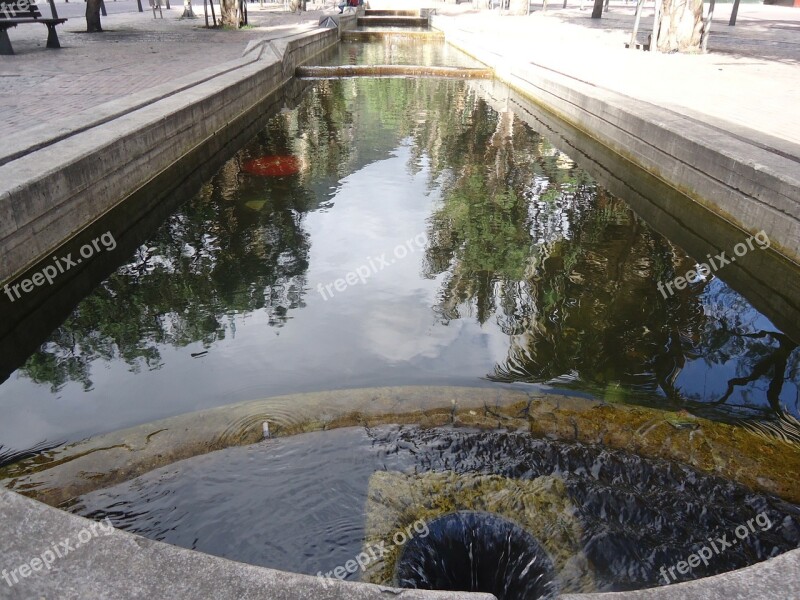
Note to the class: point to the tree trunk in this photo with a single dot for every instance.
(735, 11)
(229, 13)
(93, 16)
(597, 11)
(188, 13)
(518, 7)
(680, 27)
(707, 27)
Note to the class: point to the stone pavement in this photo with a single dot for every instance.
(748, 84)
(136, 52)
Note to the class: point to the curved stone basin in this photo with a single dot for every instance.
(736, 453)
(310, 503)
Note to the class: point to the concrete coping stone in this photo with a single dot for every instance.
(749, 152)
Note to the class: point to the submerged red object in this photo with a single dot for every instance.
(272, 166)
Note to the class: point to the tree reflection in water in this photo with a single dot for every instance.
(570, 274)
(520, 237)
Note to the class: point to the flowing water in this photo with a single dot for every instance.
(399, 51)
(299, 502)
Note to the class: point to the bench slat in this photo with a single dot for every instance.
(19, 9)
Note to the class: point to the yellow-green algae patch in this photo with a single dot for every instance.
(762, 463)
(541, 506)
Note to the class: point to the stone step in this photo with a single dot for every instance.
(370, 36)
(370, 12)
(338, 71)
(392, 21)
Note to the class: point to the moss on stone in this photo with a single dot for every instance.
(395, 501)
(762, 463)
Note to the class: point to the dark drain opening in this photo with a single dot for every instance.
(478, 552)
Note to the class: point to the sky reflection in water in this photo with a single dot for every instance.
(531, 273)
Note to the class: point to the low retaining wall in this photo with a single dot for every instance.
(340, 71)
(54, 188)
(26, 324)
(744, 182)
(59, 475)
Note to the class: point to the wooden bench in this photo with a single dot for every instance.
(19, 12)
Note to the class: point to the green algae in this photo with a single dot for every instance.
(541, 506)
(759, 462)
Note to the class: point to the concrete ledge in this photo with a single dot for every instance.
(50, 194)
(340, 71)
(112, 564)
(390, 34)
(39, 136)
(59, 475)
(343, 22)
(774, 579)
(26, 324)
(751, 186)
(118, 565)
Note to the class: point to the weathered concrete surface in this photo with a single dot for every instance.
(50, 194)
(774, 579)
(339, 71)
(46, 93)
(118, 565)
(749, 177)
(363, 35)
(344, 22)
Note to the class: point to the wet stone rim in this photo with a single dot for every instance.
(766, 465)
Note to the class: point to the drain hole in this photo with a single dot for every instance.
(478, 552)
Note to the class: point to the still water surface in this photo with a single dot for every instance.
(492, 259)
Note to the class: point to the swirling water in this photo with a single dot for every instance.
(298, 503)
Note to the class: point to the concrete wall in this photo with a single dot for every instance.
(741, 181)
(57, 185)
